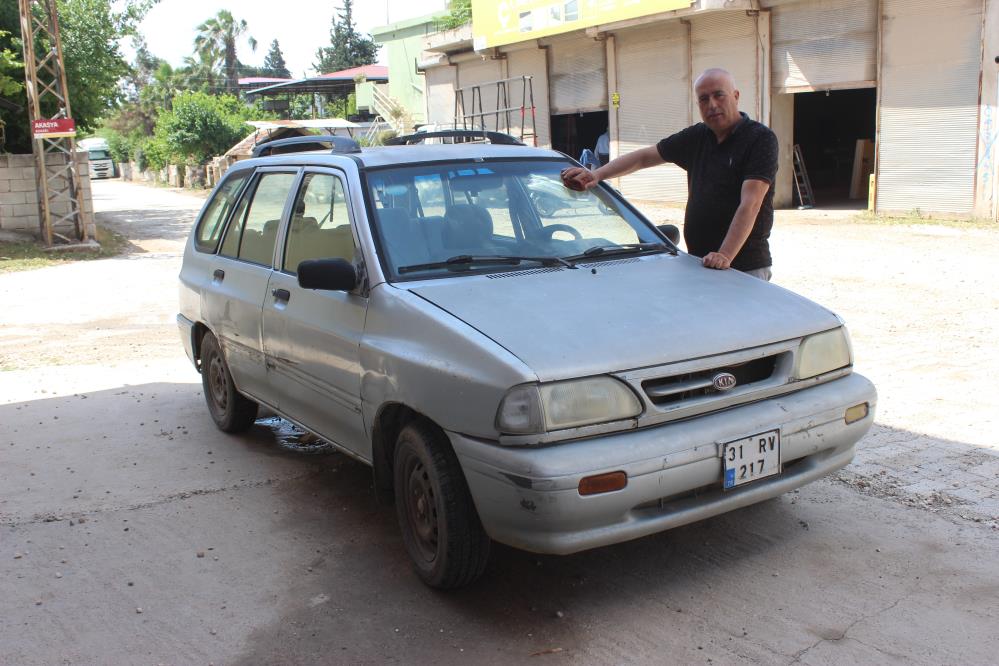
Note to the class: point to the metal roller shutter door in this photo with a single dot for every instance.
(824, 44)
(532, 62)
(728, 40)
(440, 94)
(578, 75)
(472, 72)
(931, 57)
(655, 97)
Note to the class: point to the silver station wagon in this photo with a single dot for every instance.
(555, 380)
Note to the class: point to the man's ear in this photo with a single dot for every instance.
(736, 93)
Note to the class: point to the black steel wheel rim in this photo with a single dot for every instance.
(217, 384)
(421, 509)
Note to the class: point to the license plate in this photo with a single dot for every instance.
(751, 458)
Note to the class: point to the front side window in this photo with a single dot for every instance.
(213, 221)
(320, 223)
(254, 225)
(461, 215)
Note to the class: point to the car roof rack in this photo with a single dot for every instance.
(469, 135)
(338, 144)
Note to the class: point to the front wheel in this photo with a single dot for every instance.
(231, 410)
(440, 527)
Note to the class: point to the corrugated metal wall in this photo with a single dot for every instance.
(440, 94)
(655, 93)
(728, 40)
(480, 71)
(577, 74)
(532, 62)
(931, 59)
(824, 43)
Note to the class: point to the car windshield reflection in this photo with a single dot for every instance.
(426, 215)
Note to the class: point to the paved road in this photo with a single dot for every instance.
(133, 532)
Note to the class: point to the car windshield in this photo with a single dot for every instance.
(439, 219)
(98, 154)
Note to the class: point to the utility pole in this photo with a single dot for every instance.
(58, 178)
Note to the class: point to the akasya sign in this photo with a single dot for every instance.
(53, 128)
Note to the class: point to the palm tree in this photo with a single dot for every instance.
(217, 36)
(199, 73)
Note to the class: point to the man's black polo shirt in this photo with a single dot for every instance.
(715, 173)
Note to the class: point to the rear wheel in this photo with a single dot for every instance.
(440, 527)
(231, 410)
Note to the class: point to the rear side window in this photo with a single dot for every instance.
(213, 221)
(254, 227)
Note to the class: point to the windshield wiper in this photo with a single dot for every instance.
(464, 261)
(624, 248)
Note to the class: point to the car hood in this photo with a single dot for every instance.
(624, 314)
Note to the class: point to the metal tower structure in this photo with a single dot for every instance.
(58, 177)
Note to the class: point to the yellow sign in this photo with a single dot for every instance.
(498, 22)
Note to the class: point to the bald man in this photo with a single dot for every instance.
(731, 162)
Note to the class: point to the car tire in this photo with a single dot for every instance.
(231, 410)
(440, 527)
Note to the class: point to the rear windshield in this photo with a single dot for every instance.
(99, 155)
(435, 212)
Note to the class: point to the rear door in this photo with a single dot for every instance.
(312, 338)
(239, 274)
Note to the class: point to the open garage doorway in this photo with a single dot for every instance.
(574, 132)
(835, 131)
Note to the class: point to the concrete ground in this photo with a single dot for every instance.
(133, 532)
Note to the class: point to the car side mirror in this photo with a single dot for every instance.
(670, 231)
(327, 274)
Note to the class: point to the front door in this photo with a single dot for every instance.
(312, 338)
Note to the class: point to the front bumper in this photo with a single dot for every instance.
(528, 497)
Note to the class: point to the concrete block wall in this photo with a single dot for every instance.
(19, 195)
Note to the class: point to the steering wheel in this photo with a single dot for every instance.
(550, 230)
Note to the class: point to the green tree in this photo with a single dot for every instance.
(11, 82)
(348, 48)
(201, 72)
(274, 62)
(218, 36)
(143, 70)
(90, 32)
(459, 14)
(201, 126)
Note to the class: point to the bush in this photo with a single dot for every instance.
(200, 126)
(119, 145)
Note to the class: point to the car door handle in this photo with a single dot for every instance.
(281, 295)
(219, 274)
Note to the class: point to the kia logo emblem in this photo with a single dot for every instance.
(723, 381)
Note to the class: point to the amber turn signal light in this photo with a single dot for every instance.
(856, 413)
(602, 483)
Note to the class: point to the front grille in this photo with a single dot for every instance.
(678, 388)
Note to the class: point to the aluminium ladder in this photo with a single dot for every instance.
(503, 115)
(801, 182)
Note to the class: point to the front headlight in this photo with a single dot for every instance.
(823, 352)
(537, 408)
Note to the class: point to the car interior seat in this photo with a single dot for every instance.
(405, 243)
(301, 242)
(468, 226)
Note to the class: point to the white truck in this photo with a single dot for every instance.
(99, 157)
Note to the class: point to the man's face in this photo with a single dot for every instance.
(718, 101)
